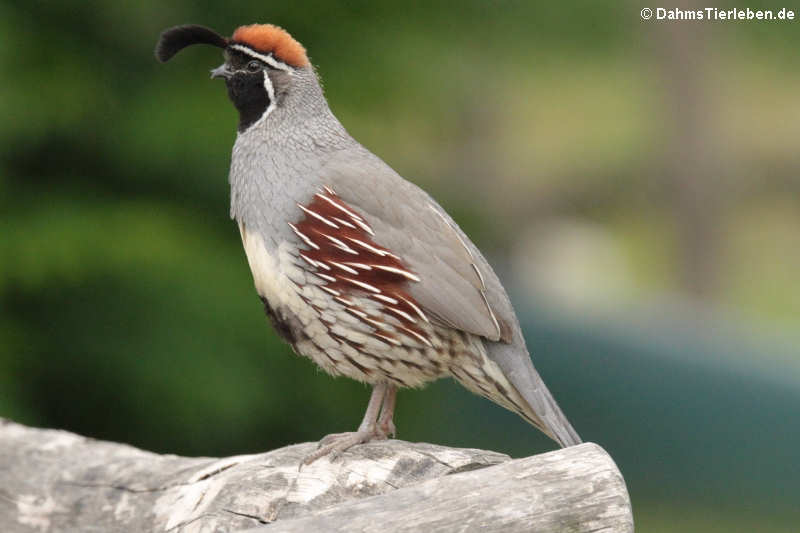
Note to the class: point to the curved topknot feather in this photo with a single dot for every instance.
(173, 40)
(268, 38)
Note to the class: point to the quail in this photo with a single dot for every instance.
(358, 269)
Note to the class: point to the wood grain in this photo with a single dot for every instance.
(57, 481)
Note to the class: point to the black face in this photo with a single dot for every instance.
(247, 88)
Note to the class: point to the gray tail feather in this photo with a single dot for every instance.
(560, 430)
(545, 413)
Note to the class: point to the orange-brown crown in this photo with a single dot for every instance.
(267, 38)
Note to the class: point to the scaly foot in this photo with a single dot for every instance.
(385, 421)
(337, 443)
(381, 402)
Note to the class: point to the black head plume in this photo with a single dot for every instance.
(176, 39)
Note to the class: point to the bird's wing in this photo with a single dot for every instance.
(456, 286)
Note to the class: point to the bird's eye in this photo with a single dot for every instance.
(254, 66)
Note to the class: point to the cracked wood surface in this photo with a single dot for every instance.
(57, 481)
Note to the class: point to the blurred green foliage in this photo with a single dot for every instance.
(127, 307)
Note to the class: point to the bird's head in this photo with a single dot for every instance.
(262, 62)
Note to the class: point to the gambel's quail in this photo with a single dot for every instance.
(359, 269)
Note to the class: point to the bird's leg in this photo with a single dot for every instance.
(386, 422)
(367, 431)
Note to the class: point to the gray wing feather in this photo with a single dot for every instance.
(456, 289)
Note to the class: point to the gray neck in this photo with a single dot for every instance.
(302, 120)
(277, 161)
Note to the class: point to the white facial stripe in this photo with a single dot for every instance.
(270, 108)
(270, 93)
(269, 60)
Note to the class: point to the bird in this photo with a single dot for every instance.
(358, 269)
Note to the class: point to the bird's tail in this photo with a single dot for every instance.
(556, 425)
(529, 396)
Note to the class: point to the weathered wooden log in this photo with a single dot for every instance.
(57, 481)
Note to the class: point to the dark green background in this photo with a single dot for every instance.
(128, 311)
